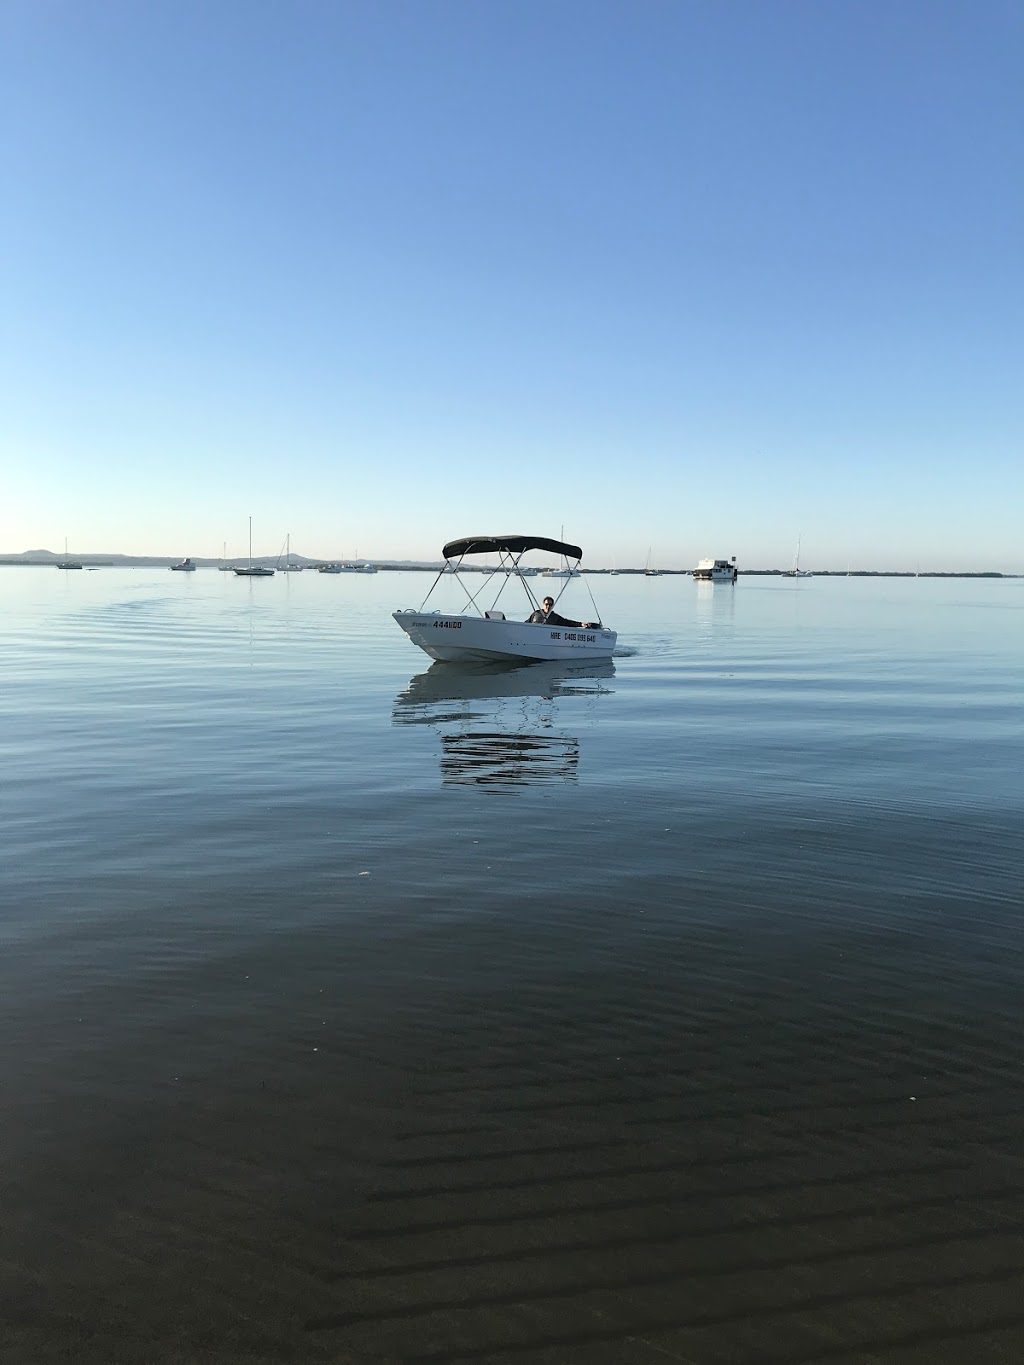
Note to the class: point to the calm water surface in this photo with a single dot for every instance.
(358, 1009)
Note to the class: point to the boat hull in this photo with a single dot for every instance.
(456, 639)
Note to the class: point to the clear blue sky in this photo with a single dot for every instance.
(698, 276)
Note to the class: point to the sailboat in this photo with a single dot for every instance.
(224, 566)
(648, 571)
(288, 566)
(796, 571)
(67, 563)
(257, 570)
(565, 572)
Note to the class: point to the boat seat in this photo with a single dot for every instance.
(495, 615)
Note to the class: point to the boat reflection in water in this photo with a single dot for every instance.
(503, 725)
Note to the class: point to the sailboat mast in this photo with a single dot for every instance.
(250, 542)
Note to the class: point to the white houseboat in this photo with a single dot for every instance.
(716, 571)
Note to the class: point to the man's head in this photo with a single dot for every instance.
(548, 603)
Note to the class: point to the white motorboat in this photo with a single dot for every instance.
(716, 571)
(480, 633)
(186, 566)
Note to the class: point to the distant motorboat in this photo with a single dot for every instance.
(716, 571)
(253, 570)
(186, 566)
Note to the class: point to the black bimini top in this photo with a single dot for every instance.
(516, 545)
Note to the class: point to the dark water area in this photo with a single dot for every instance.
(359, 1009)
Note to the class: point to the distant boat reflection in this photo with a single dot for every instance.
(715, 611)
(500, 724)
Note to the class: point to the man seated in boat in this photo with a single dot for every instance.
(547, 616)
